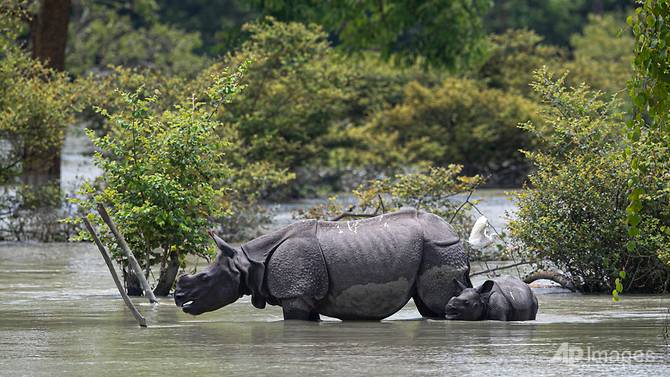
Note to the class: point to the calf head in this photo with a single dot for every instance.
(471, 303)
(216, 286)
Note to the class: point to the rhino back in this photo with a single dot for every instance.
(372, 264)
(519, 299)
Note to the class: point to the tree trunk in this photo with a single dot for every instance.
(48, 35)
(133, 286)
(167, 276)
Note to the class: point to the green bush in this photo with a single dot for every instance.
(108, 34)
(170, 175)
(303, 97)
(460, 122)
(602, 55)
(293, 95)
(513, 56)
(37, 104)
(572, 214)
(648, 133)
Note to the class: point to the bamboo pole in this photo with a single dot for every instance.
(129, 254)
(140, 319)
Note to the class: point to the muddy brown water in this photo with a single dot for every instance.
(60, 315)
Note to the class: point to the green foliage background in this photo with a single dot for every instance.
(387, 98)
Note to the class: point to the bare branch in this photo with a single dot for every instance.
(129, 254)
(140, 319)
(487, 271)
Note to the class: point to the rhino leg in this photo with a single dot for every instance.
(299, 308)
(424, 310)
(435, 284)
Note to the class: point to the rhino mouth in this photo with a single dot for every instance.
(190, 307)
(452, 313)
(185, 304)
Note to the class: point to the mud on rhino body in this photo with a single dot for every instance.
(351, 270)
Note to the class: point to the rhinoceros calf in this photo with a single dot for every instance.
(503, 299)
(351, 270)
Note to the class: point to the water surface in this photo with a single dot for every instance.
(61, 315)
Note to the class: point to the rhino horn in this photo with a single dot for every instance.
(460, 285)
(223, 246)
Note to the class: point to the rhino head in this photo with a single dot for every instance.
(471, 303)
(216, 286)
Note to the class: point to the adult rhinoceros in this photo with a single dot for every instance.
(351, 270)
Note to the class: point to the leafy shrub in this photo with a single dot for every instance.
(107, 34)
(602, 54)
(170, 175)
(648, 133)
(437, 33)
(293, 94)
(36, 106)
(513, 56)
(103, 89)
(461, 122)
(572, 214)
(302, 98)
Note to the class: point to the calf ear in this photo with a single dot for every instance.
(224, 247)
(486, 287)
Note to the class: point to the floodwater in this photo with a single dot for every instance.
(60, 314)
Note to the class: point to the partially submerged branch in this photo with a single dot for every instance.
(555, 276)
(140, 319)
(129, 254)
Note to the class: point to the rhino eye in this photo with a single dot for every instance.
(204, 277)
(467, 302)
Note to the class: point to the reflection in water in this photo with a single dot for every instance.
(61, 315)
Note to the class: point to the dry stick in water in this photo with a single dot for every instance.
(129, 254)
(487, 271)
(140, 319)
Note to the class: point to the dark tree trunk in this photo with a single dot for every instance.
(167, 276)
(133, 286)
(48, 35)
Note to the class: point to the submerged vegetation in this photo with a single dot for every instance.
(399, 103)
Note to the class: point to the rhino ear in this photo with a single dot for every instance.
(486, 287)
(224, 247)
